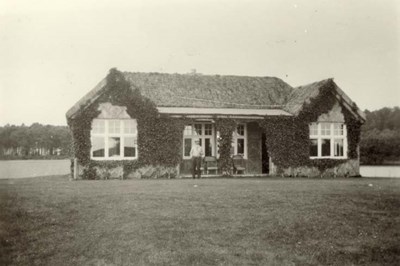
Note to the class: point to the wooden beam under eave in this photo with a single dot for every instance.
(349, 107)
(216, 116)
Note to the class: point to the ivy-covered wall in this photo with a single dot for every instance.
(288, 139)
(159, 138)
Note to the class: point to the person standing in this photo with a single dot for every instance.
(196, 153)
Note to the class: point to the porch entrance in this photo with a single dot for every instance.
(264, 155)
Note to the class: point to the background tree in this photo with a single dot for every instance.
(380, 137)
(36, 140)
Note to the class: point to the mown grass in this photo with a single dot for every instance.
(53, 221)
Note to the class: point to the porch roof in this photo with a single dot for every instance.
(221, 112)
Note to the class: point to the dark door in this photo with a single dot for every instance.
(264, 155)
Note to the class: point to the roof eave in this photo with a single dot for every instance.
(86, 100)
(220, 112)
(249, 117)
(351, 106)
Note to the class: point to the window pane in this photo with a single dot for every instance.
(338, 129)
(208, 129)
(188, 130)
(114, 146)
(98, 147)
(326, 147)
(130, 147)
(338, 144)
(325, 129)
(98, 126)
(197, 129)
(240, 146)
(240, 130)
(130, 126)
(188, 146)
(314, 129)
(114, 126)
(208, 147)
(313, 147)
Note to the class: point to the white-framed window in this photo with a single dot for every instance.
(328, 140)
(239, 141)
(205, 132)
(114, 139)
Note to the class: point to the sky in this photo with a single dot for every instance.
(53, 52)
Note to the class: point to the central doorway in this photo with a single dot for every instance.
(264, 155)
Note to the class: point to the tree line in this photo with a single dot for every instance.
(380, 139)
(35, 141)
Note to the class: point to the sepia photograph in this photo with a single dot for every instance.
(199, 132)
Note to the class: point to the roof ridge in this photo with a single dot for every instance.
(315, 82)
(201, 75)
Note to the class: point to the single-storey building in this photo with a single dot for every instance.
(144, 125)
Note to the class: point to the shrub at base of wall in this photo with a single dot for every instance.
(153, 172)
(343, 168)
(98, 170)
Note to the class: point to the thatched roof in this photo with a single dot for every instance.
(211, 91)
(214, 91)
(202, 91)
(303, 94)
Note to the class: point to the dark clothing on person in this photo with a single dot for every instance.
(196, 152)
(196, 164)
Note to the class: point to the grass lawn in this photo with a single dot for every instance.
(54, 221)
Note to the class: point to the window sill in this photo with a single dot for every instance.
(328, 157)
(113, 158)
(188, 158)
